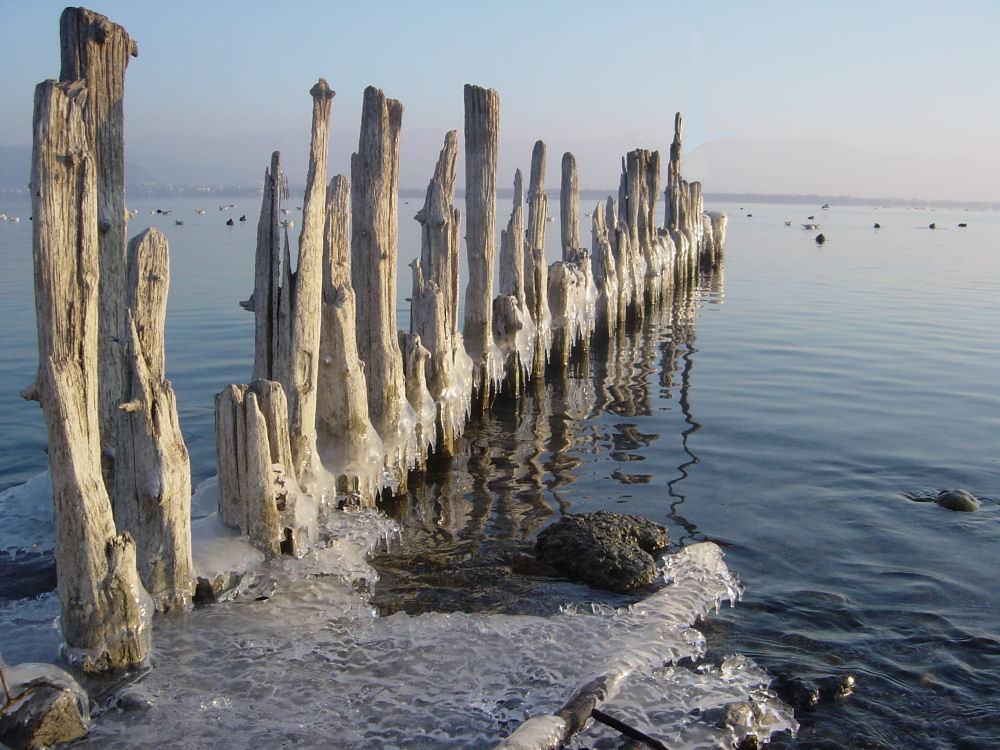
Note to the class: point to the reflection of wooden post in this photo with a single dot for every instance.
(536, 274)
(374, 204)
(434, 311)
(482, 124)
(97, 51)
(347, 444)
(152, 499)
(103, 619)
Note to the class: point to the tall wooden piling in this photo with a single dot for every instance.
(434, 309)
(105, 612)
(263, 302)
(536, 273)
(482, 125)
(152, 499)
(374, 207)
(346, 442)
(569, 207)
(298, 374)
(513, 327)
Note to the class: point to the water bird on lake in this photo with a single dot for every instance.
(932, 225)
(229, 222)
(178, 222)
(963, 224)
(288, 223)
(243, 217)
(286, 211)
(788, 223)
(877, 226)
(825, 205)
(810, 218)
(810, 226)
(820, 239)
(223, 207)
(199, 210)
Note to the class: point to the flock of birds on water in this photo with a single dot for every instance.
(810, 226)
(821, 238)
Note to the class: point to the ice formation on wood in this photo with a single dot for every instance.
(258, 492)
(536, 269)
(347, 443)
(374, 206)
(435, 300)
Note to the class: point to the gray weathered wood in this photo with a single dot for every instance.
(569, 207)
(152, 498)
(104, 616)
(513, 327)
(346, 442)
(97, 51)
(258, 493)
(298, 375)
(605, 275)
(536, 268)
(435, 300)
(374, 206)
(482, 125)
(267, 273)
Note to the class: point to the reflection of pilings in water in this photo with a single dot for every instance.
(573, 401)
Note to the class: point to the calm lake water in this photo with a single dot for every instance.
(787, 407)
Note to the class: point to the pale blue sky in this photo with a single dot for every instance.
(866, 98)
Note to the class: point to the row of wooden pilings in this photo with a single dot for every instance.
(342, 405)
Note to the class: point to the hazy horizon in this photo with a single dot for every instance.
(777, 97)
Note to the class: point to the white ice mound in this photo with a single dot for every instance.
(299, 659)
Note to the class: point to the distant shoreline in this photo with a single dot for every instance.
(222, 191)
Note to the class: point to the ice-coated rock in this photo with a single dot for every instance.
(47, 707)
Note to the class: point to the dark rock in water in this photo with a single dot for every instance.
(959, 500)
(612, 551)
(47, 707)
(820, 239)
(806, 696)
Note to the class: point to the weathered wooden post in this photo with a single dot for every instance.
(105, 611)
(152, 499)
(482, 125)
(605, 275)
(298, 373)
(258, 493)
(263, 302)
(569, 207)
(536, 268)
(513, 327)
(347, 443)
(434, 309)
(374, 207)
(97, 51)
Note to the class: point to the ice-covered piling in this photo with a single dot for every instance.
(105, 610)
(152, 498)
(482, 125)
(346, 442)
(258, 492)
(513, 327)
(434, 308)
(374, 207)
(536, 269)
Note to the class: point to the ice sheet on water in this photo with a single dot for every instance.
(312, 667)
(26, 510)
